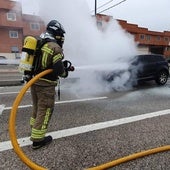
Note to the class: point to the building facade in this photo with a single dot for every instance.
(14, 26)
(147, 41)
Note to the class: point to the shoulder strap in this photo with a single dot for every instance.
(38, 56)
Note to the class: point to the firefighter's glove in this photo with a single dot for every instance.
(26, 78)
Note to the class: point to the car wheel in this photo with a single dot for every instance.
(162, 78)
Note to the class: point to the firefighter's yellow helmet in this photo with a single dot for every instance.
(30, 44)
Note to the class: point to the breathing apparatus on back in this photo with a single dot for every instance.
(27, 55)
(31, 50)
(31, 55)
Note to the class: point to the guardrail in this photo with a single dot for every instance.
(9, 75)
(10, 83)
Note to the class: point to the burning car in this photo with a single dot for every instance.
(142, 68)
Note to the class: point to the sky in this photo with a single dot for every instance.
(151, 14)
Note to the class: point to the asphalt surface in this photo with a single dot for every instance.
(84, 150)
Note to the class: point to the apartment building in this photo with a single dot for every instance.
(14, 26)
(147, 41)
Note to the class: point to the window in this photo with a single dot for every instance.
(14, 49)
(148, 37)
(11, 16)
(99, 24)
(142, 37)
(35, 26)
(158, 38)
(13, 34)
(166, 39)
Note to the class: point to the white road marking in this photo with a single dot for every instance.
(2, 106)
(87, 128)
(66, 101)
(12, 92)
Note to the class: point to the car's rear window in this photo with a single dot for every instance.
(149, 58)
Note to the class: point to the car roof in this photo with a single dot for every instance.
(150, 55)
(147, 56)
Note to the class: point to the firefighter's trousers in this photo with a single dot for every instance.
(43, 98)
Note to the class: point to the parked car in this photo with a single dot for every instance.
(2, 57)
(3, 60)
(144, 68)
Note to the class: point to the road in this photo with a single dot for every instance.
(92, 130)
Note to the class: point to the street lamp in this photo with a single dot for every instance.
(95, 7)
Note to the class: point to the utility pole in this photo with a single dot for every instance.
(95, 8)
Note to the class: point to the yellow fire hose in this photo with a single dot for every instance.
(130, 157)
(34, 166)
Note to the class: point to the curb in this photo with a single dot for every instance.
(10, 83)
(8, 71)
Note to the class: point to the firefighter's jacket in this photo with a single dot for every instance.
(51, 58)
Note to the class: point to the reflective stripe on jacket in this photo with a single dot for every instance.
(52, 56)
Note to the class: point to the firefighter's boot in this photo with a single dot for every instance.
(47, 140)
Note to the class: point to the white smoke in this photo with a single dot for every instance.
(89, 49)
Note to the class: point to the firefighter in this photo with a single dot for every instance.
(43, 91)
